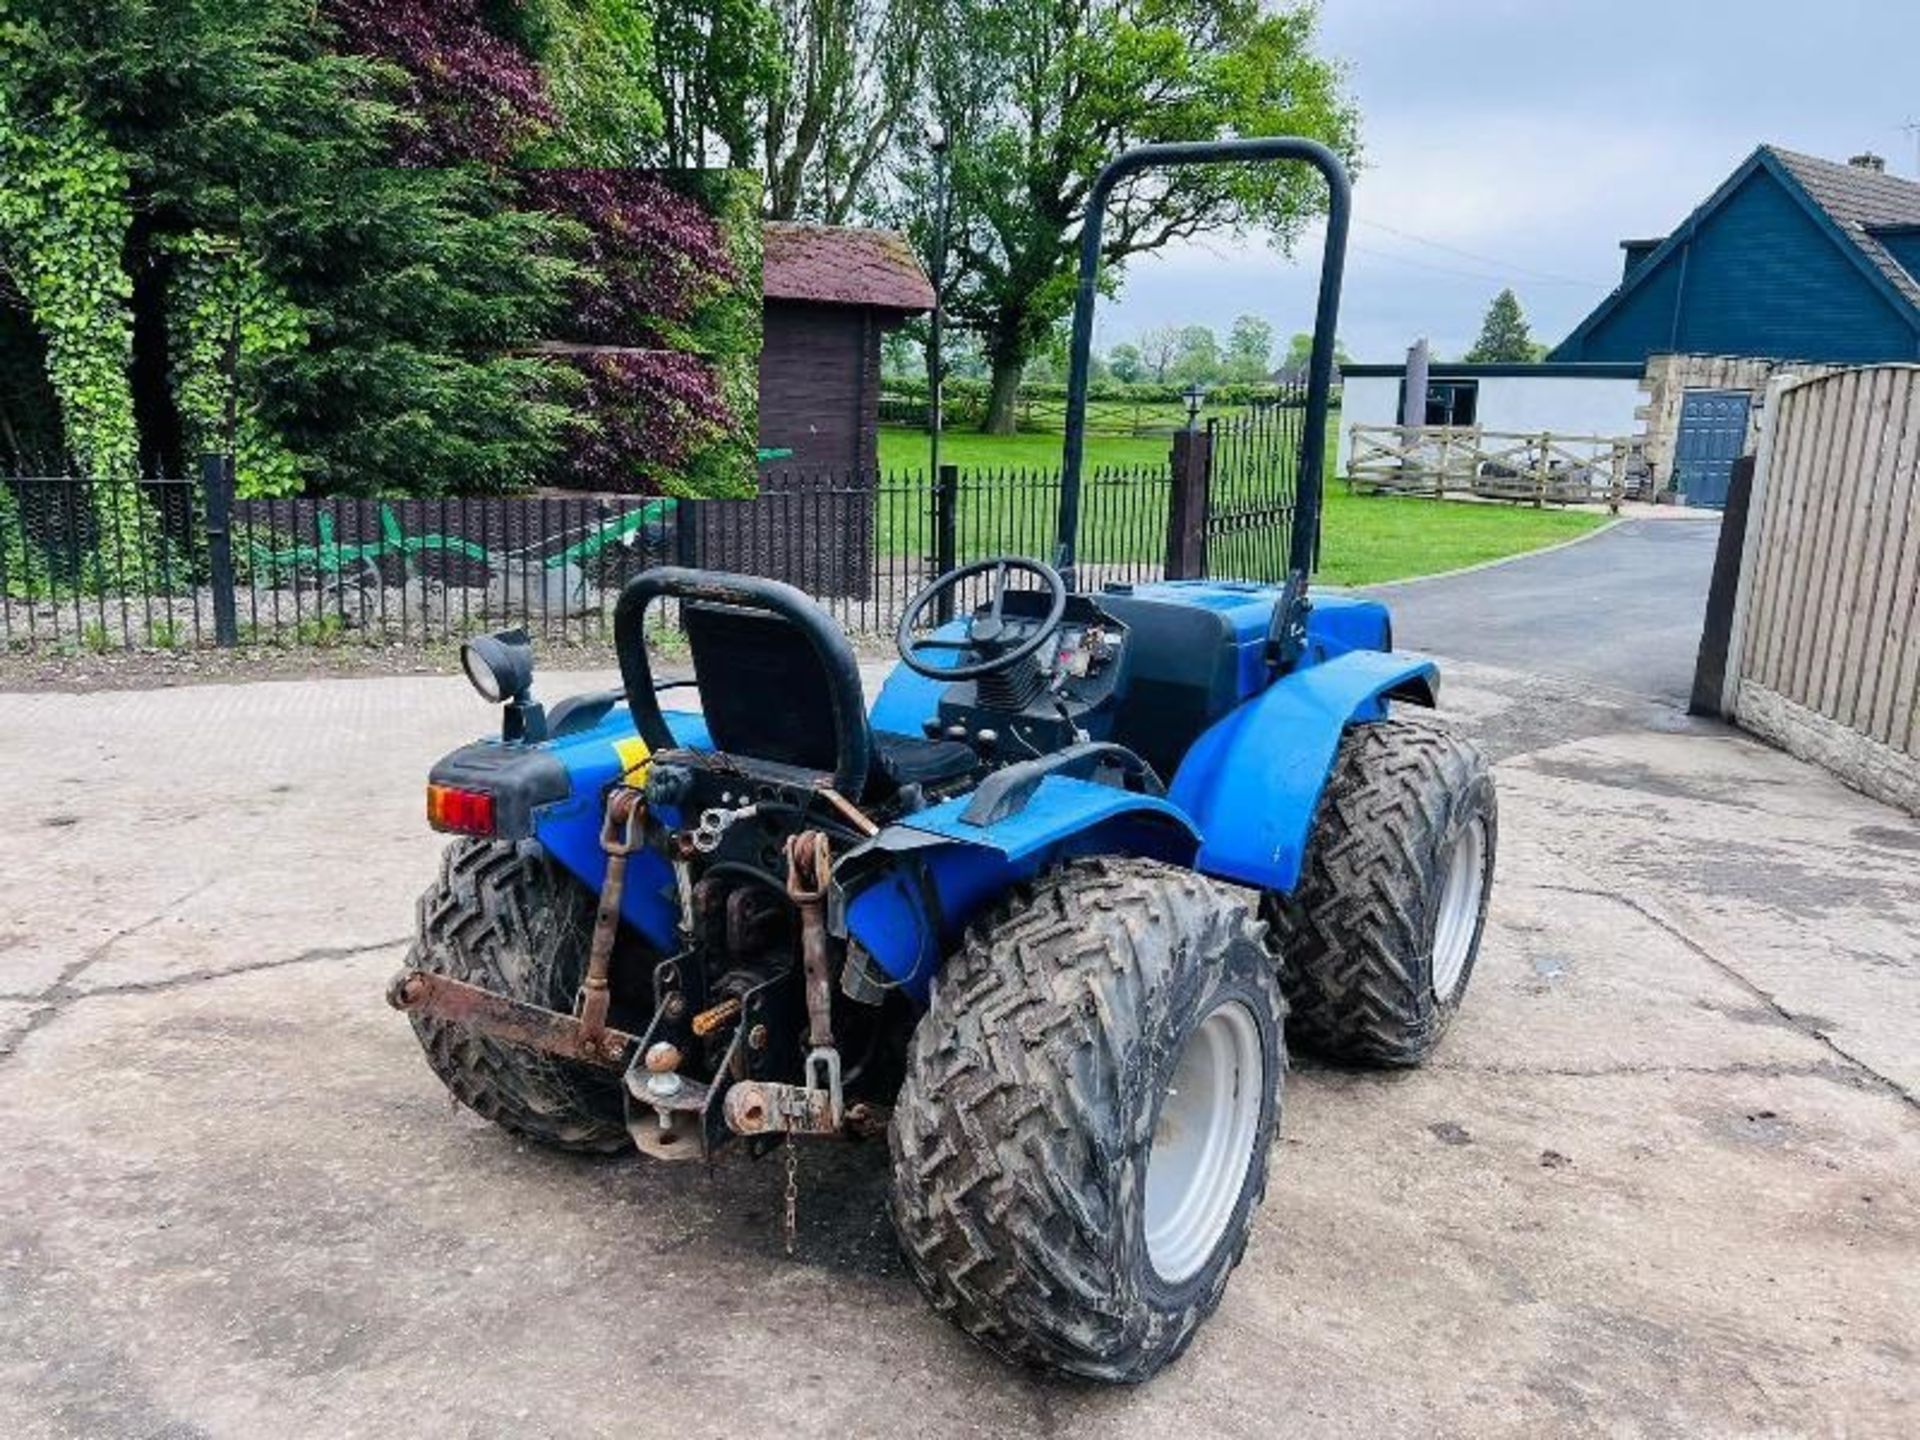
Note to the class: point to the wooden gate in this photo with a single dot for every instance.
(1823, 651)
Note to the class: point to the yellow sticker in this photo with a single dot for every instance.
(633, 759)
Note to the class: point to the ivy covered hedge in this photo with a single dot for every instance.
(319, 224)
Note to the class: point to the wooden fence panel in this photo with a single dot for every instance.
(1896, 700)
(1825, 654)
(1852, 702)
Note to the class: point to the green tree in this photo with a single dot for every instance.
(1126, 364)
(1159, 348)
(1503, 334)
(597, 58)
(812, 94)
(376, 307)
(834, 111)
(1038, 97)
(1197, 361)
(900, 356)
(1249, 349)
(714, 64)
(1300, 351)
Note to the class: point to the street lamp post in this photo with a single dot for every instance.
(937, 142)
(1195, 396)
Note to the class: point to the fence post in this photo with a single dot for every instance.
(1188, 501)
(686, 533)
(1710, 665)
(216, 478)
(946, 530)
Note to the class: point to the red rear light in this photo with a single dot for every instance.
(464, 812)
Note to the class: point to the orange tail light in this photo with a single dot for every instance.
(461, 812)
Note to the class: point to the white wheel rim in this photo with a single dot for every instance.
(1459, 909)
(1203, 1141)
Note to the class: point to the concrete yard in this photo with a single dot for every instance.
(1661, 1179)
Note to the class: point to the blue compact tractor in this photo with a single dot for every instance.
(1045, 912)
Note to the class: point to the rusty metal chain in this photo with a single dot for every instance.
(793, 1191)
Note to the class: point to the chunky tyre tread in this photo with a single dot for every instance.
(1356, 935)
(1011, 1175)
(502, 918)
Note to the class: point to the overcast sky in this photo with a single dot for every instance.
(1517, 142)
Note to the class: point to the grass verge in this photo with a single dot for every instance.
(1364, 538)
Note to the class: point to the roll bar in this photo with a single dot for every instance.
(1306, 515)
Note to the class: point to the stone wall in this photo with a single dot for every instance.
(1862, 762)
(1668, 379)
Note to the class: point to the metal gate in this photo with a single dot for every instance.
(1713, 433)
(1253, 479)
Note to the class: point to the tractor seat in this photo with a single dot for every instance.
(766, 695)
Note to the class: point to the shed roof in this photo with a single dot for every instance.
(843, 265)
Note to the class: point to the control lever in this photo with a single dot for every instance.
(1287, 631)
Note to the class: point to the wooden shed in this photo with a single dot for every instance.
(832, 292)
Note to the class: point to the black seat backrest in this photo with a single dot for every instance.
(1183, 674)
(764, 690)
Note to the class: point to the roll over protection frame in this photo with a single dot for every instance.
(1306, 516)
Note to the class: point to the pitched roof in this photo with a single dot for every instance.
(1860, 201)
(843, 265)
(1847, 200)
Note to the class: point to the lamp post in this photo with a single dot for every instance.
(937, 142)
(1195, 396)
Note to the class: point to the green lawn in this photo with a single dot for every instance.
(1364, 538)
(903, 449)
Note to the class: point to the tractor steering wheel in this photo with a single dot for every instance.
(985, 633)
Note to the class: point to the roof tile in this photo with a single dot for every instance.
(843, 265)
(1861, 201)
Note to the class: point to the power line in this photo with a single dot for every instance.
(1912, 127)
(1506, 266)
(1481, 275)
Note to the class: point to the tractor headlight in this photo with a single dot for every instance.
(499, 666)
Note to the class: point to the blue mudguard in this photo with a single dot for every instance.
(915, 887)
(569, 829)
(1251, 784)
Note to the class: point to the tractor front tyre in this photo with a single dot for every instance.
(1082, 1136)
(1378, 940)
(502, 917)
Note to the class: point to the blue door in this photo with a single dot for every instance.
(1713, 433)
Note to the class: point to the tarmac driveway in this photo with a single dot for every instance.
(1659, 1181)
(1621, 609)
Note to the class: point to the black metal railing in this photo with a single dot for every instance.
(99, 565)
(1254, 490)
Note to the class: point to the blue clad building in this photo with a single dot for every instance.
(1792, 258)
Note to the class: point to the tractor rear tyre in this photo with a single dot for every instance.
(500, 916)
(1082, 1137)
(1378, 940)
